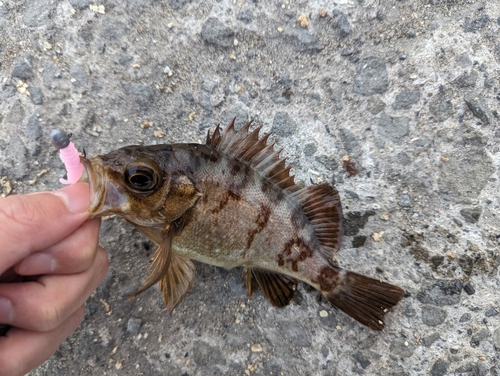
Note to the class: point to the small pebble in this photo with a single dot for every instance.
(491, 312)
(159, 134)
(98, 9)
(377, 236)
(134, 325)
(323, 313)
(469, 289)
(303, 21)
(256, 347)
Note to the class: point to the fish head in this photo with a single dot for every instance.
(134, 183)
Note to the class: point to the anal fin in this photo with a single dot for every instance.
(177, 282)
(277, 288)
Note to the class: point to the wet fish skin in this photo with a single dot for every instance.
(232, 202)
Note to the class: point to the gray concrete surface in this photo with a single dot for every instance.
(409, 90)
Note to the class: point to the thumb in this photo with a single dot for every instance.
(29, 223)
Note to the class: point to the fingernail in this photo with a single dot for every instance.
(6, 311)
(75, 196)
(38, 263)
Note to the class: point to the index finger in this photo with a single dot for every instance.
(32, 222)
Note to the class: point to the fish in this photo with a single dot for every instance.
(232, 202)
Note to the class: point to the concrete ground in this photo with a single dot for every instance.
(408, 90)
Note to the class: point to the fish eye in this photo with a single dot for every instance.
(142, 176)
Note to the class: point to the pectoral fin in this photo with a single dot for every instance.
(162, 257)
(277, 288)
(177, 282)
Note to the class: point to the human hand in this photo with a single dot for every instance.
(50, 263)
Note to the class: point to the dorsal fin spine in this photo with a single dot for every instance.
(239, 137)
(226, 138)
(281, 174)
(246, 146)
(255, 149)
(287, 183)
(262, 155)
(251, 140)
(275, 167)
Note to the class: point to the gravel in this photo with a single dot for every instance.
(303, 41)
(476, 24)
(402, 348)
(432, 316)
(478, 106)
(341, 24)
(375, 105)
(143, 95)
(406, 99)
(22, 70)
(441, 107)
(216, 33)
(467, 79)
(34, 128)
(36, 94)
(134, 325)
(442, 293)
(440, 367)
(469, 289)
(465, 317)
(393, 128)
(466, 173)
(372, 77)
(496, 338)
(471, 215)
(283, 124)
(491, 312)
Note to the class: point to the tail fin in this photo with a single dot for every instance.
(364, 299)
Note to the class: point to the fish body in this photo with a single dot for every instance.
(229, 203)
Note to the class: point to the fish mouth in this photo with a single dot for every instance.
(105, 198)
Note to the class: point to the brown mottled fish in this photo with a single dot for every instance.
(232, 202)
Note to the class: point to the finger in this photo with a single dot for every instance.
(22, 350)
(43, 304)
(37, 221)
(73, 254)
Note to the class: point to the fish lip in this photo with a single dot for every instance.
(94, 177)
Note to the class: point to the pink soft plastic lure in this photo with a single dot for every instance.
(69, 155)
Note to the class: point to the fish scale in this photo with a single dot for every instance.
(238, 220)
(232, 202)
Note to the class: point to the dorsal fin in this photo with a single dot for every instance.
(321, 205)
(247, 147)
